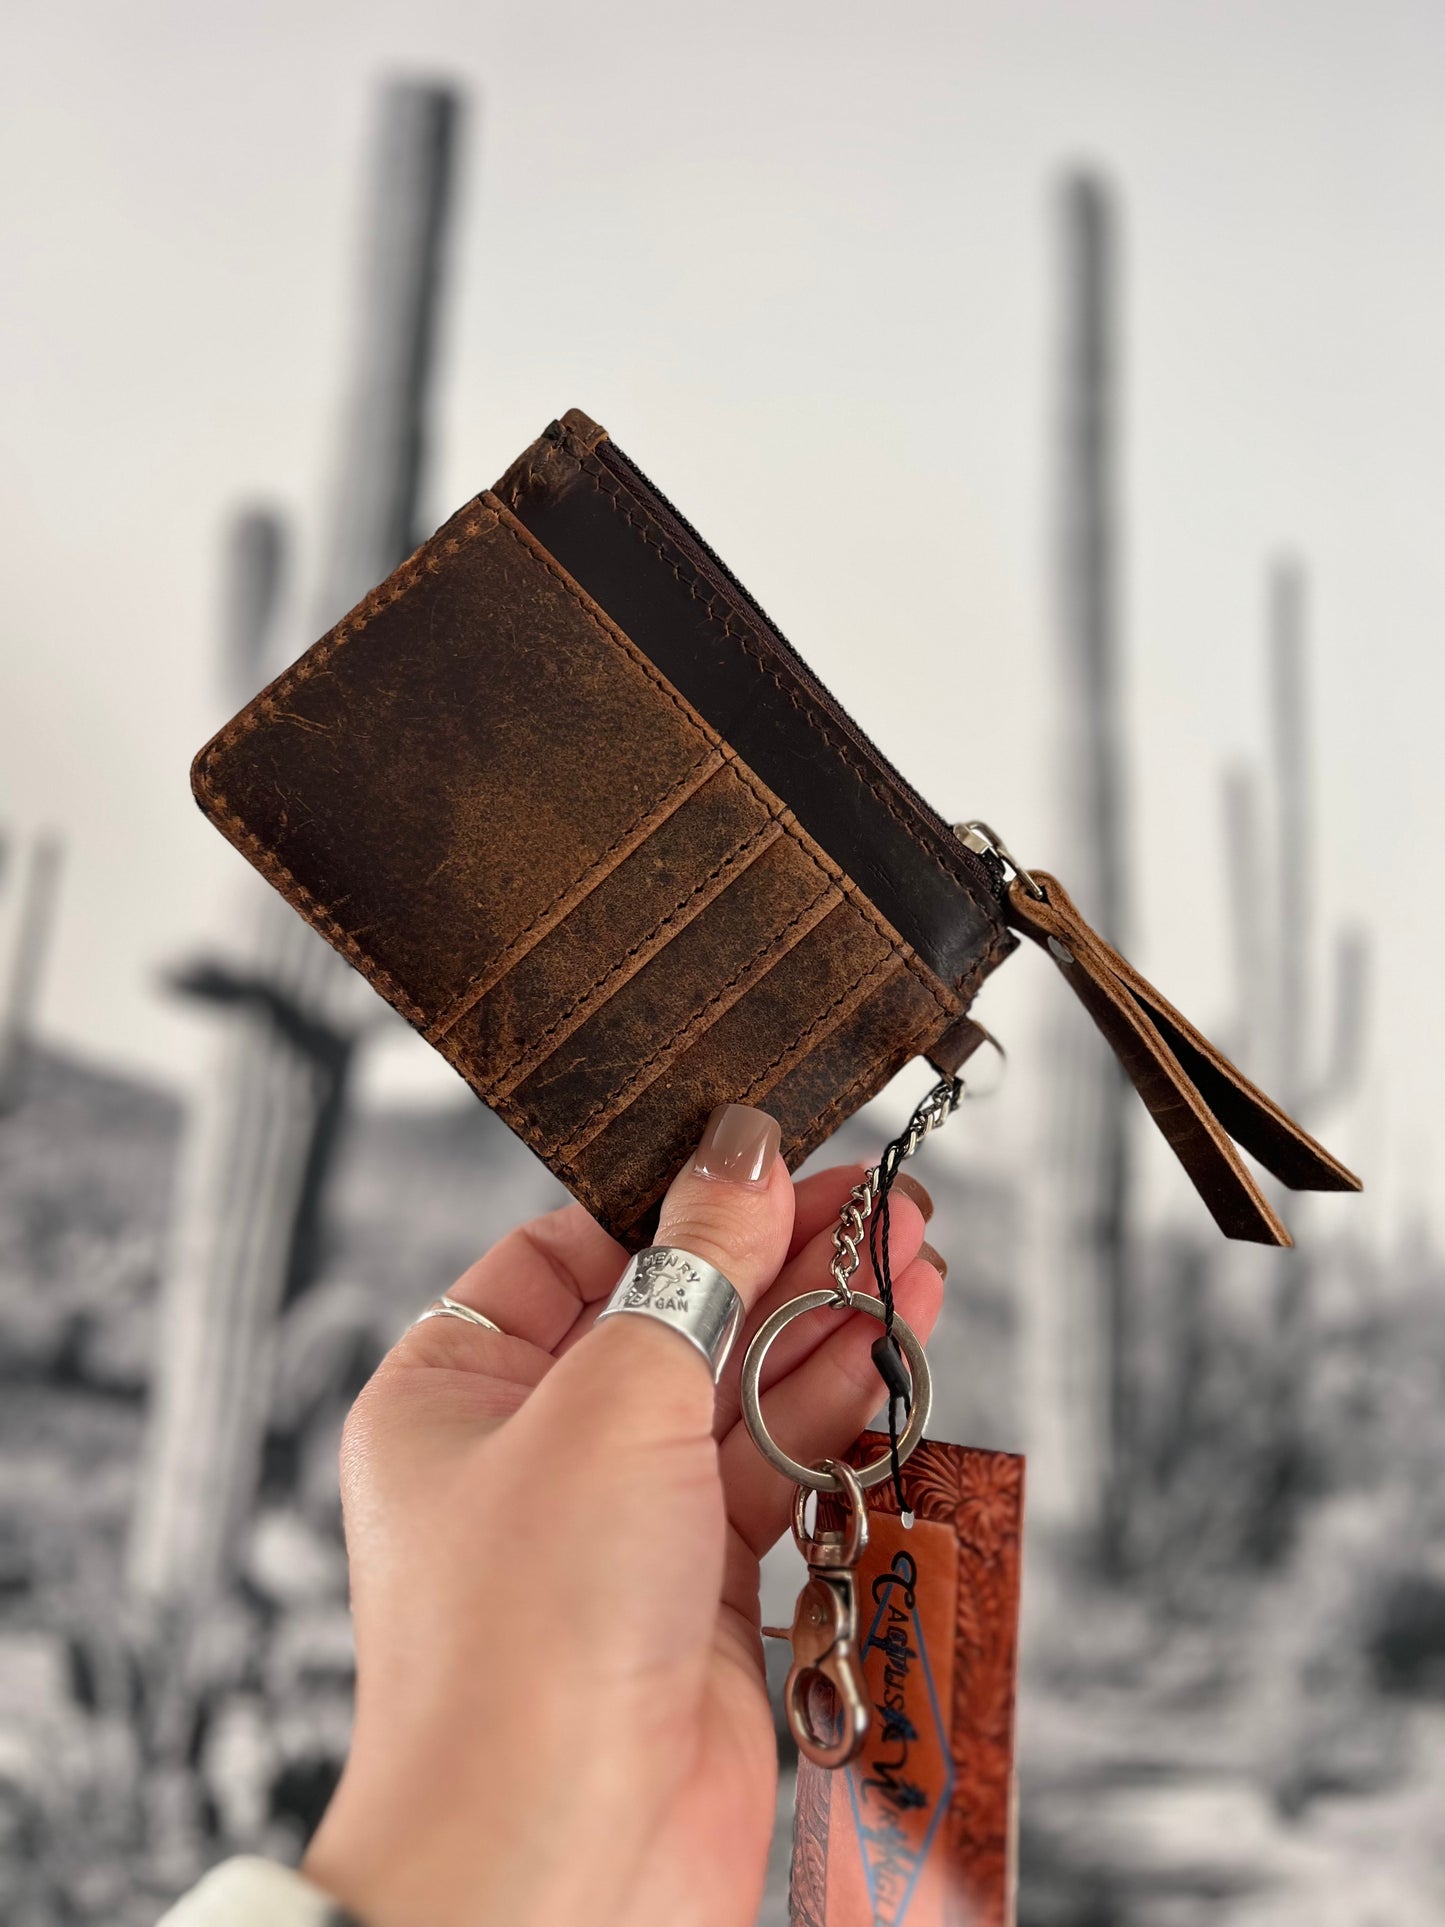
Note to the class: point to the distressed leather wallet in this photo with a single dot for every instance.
(562, 792)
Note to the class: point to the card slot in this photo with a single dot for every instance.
(562, 906)
(665, 931)
(850, 1062)
(716, 960)
(787, 1014)
(713, 1072)
(630, 913)
(716, 1007)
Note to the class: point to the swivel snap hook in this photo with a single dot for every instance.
(824, 1632)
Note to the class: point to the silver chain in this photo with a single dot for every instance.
(852, 1226)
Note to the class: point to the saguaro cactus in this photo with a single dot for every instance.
(1306, 1046)
(1310, 1061)
(1310, 1079)
(260, 1142)
(1088, 1328)
(38, 893)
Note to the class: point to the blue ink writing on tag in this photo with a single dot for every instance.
(900, 1786)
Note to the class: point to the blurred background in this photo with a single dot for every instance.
(1066, 380)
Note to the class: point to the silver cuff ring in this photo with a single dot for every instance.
(446, 1307)
(677, 1289)
(918, 1408)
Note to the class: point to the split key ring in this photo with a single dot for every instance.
(918, 1409)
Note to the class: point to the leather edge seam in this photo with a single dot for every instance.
(611, 488)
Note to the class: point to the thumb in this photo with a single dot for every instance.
(618, 1437)
(732, 1206)
(732, 1203)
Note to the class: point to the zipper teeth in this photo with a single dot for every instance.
(611, 456)
(994, 864)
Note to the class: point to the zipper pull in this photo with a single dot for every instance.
(1199, 1100)
(987, 843)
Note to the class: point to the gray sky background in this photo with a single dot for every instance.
(801, 260)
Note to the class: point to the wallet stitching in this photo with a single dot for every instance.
(267, 705)
(764, 1082)
(703, 593)
(858, 992)
(426, 562)
(619, 639)
(870, 1078)
(875, 1073)
(315, 914)
(902, 1051)
(693, 778)
(765, 834)
(637, 1081)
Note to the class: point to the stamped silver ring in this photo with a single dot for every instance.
(684, 1292)
(914, 1357)
(446, 1307)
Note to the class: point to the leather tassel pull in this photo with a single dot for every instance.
(1194, 1094)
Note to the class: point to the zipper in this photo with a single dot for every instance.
(711, 565)
(986, 844)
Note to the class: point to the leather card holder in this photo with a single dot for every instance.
(563, 796)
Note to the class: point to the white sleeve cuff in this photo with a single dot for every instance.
(255, 1893)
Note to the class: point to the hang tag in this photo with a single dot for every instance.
(918, 1830)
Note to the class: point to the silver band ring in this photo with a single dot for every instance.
(685, 1292)
(446, 1307)
(918, 1408)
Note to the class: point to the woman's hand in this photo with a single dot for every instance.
(554, 1539)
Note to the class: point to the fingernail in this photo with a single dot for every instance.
(739, 1144)
(911, 1188)
(932, 1257)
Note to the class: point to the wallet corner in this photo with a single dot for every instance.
(203, 779)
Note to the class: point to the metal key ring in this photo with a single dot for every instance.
(918, 1372)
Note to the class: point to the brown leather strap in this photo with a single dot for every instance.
(949, 1052)
(1194, 1094)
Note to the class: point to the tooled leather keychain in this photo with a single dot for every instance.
(900, 1694)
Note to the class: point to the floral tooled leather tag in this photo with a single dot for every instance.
(917, 1831)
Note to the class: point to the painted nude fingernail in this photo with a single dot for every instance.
(934, 1258)
(739, 1144)
(911, 1188)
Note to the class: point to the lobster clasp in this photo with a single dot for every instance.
(825, 1631)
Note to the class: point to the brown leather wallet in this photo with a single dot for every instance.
(567, 798)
